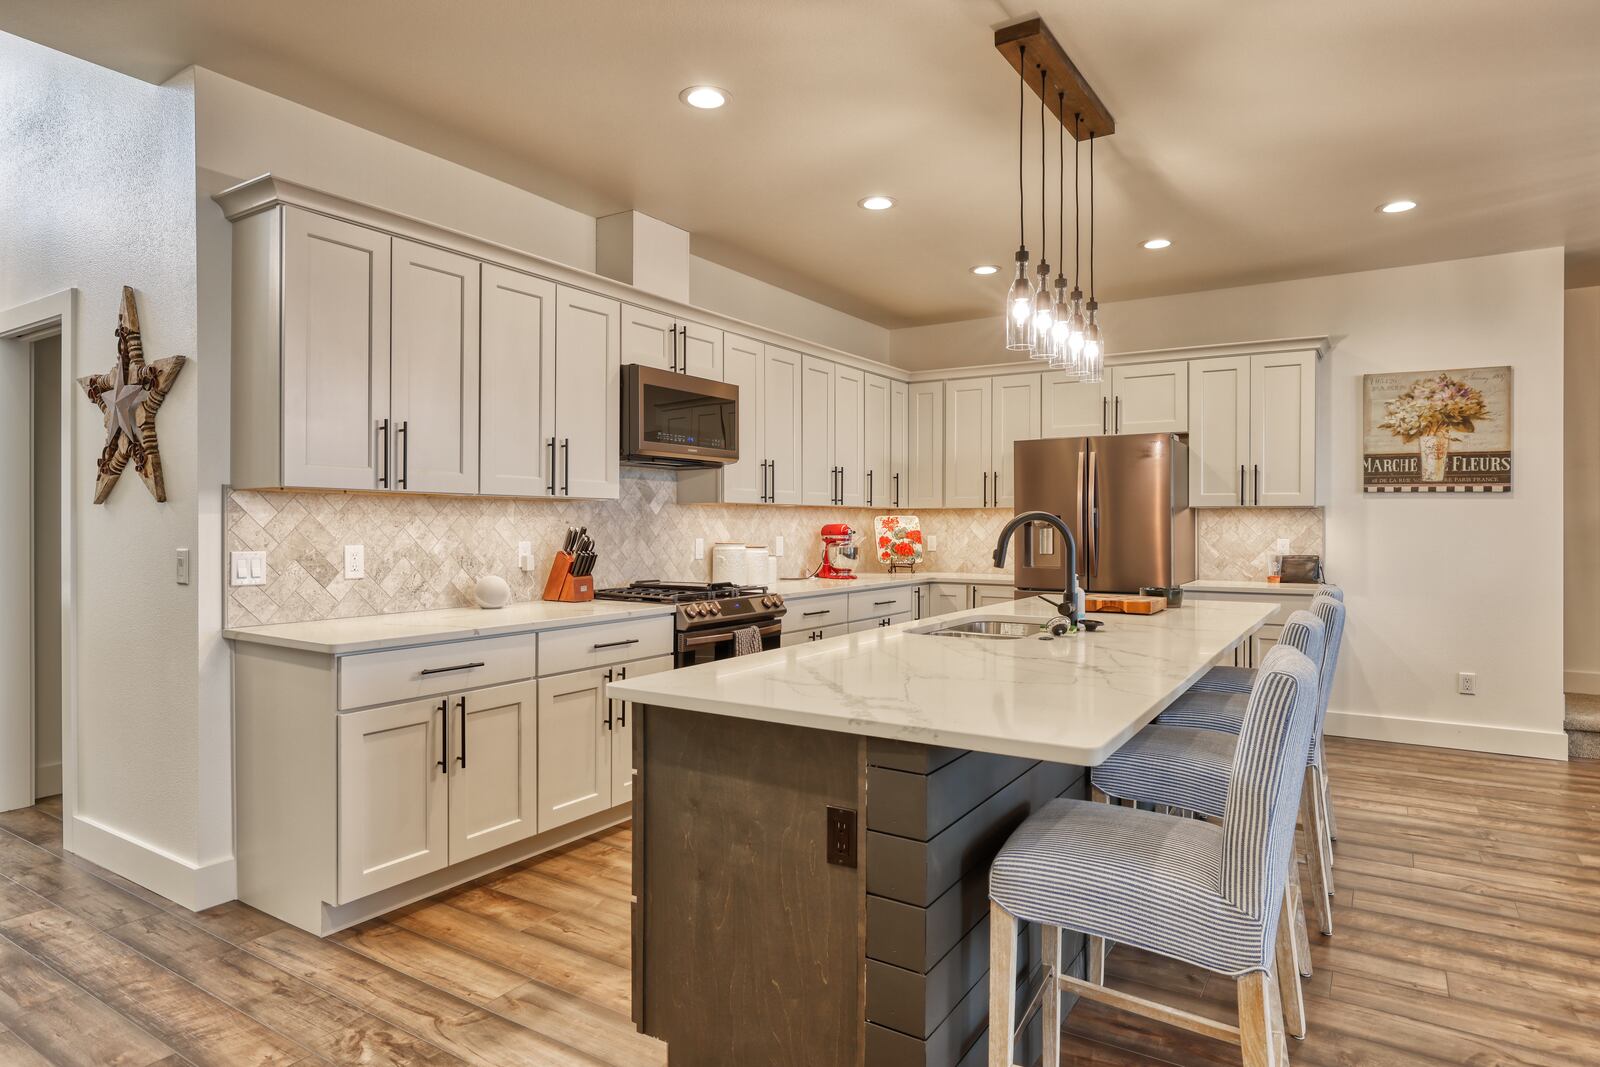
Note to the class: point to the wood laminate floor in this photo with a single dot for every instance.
(1467, 932)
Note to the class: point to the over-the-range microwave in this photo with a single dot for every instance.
(677, 420)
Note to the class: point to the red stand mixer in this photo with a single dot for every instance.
(840, 551)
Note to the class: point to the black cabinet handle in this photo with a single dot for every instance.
(444, 735)
(383, 438)
(405, 455)
(622, 710)
(1117, 425)
(615, 644)
(881, 603)
(448, 670)
(609, 677)
(896, 488)
(869, 487)
(1257, 470)
(985, 488)
(566, 466)
(1105, 422)
(462, 758)
(1241, 485)
(552, 466)
(820, 611)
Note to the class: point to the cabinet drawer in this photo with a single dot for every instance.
(873, 604)
(581, 647)
(817, 633)
(863, 625)
(816, 612)
(402, 674)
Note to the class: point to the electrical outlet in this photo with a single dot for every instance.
(842, 836)
(355, 562)
(1467, 684)
(525, 555)
(248, 568)
(777, 546)
(699, 548)
(933, 543)
(185, 564)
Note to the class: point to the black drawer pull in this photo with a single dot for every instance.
(615, 644)
(822, 611)
(447, 670)
(881, 603)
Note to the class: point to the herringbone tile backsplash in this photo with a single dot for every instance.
(428, 552)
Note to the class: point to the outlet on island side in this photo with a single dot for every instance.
(1467, 684)
(841, 836)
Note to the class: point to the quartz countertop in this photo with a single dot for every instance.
(367, 633)
(1262, 586)
(804, 587)
(1075, 699)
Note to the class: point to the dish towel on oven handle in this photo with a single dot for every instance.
(746, 641)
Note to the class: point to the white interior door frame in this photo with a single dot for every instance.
(19, 328)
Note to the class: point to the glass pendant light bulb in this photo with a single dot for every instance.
(1042, 314)
(1075, 323)
(1093, 345)
(1019, 307)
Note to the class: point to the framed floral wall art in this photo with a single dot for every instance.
(1444, 431)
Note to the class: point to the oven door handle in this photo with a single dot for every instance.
(702, 640)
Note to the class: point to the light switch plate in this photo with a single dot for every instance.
(699, 548)
(185, 566)
(247, 568)
(355, 562)
(933, 542)
(777, 546)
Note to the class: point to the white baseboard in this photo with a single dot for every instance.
(1471, 737)
(1587, 682)
(195, 886)
(47, 779)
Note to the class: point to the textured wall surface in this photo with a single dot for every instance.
(1238, 543)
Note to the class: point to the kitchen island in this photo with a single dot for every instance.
(813, 826)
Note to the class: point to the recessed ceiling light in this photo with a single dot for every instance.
(877, 203)
(1157, 242)
(704, 97)
(1395, 207)
(986, 268)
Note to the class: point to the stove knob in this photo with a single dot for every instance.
(693, 611)
(715, 607)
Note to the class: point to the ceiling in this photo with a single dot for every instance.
(1258, 135)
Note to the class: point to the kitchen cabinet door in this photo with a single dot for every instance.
(877, 466)
(968, 443)
(1283, 429)
(745, 481)
(1219, 431)
(1261, 642)
(849, 392)
(700, 350)
(434, 369)
(1150, 397)
(782, 423)
(648, 338)
(337, 431)
(393, 795)
(574, 747)
(818, 481)
(588, 394)
(925, 463)
(624, 715)
(945, 597)
(1016, 418)
(518, 383)
(494, 765)
(898, 483)
(1074, 409)
(985, 595)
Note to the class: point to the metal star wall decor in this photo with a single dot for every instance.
(129, 398)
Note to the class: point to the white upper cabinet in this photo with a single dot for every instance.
(1219, 431)
(746, 481)
(588, 392)
(494, 761)
(1150, 397)
(1283, 429)
(898, 484)
(1016, 418)
(434, 369)
(968, 442)
(656, 340)
(782, 423)
(877, 449)
(518, 354)
(925, 437)
(700, 350)
(1074, 409)
(819, 482)
(848, 448)
(336, 431)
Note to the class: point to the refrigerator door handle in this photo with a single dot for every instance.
(1105, 419)
(1091, 527)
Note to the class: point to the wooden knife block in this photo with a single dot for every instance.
(563, 585)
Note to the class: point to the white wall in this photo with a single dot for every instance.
(47, 567)
(721, 289)
(1583, 490)
(96, 191)
(1435, 585)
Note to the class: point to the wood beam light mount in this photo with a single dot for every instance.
(1044, 52)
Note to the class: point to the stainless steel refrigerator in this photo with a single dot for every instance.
(1126, 499)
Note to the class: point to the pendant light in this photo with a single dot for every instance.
(1094, 350)
(1043, 303)
(1075, 311)
(1019, 299)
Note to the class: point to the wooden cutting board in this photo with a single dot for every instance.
(1124, 603)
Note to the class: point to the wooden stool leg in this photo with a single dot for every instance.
(1324, 815)
(1317, 857)
(1002, 985)
(1301, 937)
(1257, 1042)
(1050, 1012)
(1327, 804)
(1097, 796)
(1288, 971)
(1094, 952)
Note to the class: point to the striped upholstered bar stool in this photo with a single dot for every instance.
(1197, 892)
(1226, 679)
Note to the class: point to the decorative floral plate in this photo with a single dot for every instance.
(899, 540)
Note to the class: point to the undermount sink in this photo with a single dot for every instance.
(1006, 629)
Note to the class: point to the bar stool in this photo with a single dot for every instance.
(1226, 679)
(1200, 893)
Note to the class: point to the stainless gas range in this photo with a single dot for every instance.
(708, 615)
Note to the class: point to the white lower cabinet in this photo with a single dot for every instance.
(880, 623)
(817, 633)
(984, 595)
(623, 716)
(494, 761)
(945, 597)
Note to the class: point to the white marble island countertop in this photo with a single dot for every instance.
(1069, 700)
